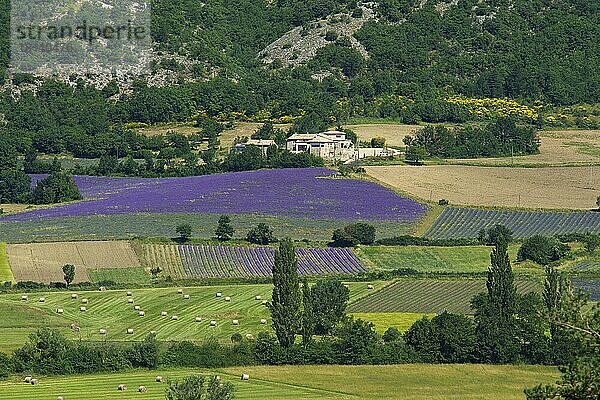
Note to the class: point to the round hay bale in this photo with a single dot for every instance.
(227, 298)
(179, 291)
(263, 321)
(153, 332)
(142, 314)
(235, 322)
(137, 308)
(129, 294)
(186, 296)
(219, 294)
(346, 286)
(174, 318)
(129, 301)
(74, 296)
(121, 387)
(249, 336)
(130, 331)
(265, 302)
(60, 311)
(163, 314)
(82, 309)
(102, 289)
(370, 287)
(102, 331)
(213, 323)
(60, 398)
(245, 377)
(24, 297)
(34, 381)
(142, 389)
(257, 297)
(198, 319)
(159, 379)
(27, 379)
(42, 299)
(84, 301)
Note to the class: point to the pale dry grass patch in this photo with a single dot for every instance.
(393, 133)
(535, 188)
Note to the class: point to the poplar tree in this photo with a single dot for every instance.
(308, 320)
(286, 302)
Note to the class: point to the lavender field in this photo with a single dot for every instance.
(208, 261)
(309, 193)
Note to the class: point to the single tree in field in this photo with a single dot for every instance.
(308, 323)
(285, 305)
(260, 234)
(69, 273)
(184, 231)
(224, 229)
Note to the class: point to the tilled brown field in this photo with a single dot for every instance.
(535, 188)
(42, 262)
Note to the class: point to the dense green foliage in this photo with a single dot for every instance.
(261, 234)
(224, 229)
(196, 387)
(353, 234)
(542, 250)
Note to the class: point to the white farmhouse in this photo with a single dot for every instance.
(330, 145)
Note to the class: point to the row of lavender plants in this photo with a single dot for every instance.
(209, 261)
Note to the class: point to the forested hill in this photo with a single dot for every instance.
(248, 56)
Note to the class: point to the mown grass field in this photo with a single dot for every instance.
(110, 310)
(6, 274)
(415, 382)
(128, 226)
(428, 296)
(383, 321)
(534, 188)
(457, 259)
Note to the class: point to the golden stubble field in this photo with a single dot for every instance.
(43, 262)
(536, 188)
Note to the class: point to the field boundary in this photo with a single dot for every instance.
(6, 273)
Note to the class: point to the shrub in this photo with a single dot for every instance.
(497, 234)
(5, 366)
(261, 234)
(145, 354)
(353, 234)
(542, 250)
(184, 231)
(197, 388)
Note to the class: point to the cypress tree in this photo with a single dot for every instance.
(285, 305)
(308, 321)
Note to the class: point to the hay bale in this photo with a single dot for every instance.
(27, 379)
(153, 332)
(163, 314)
(74, 296)
(121, 387)
(142, 389)
(186, 296)
(249, 336)
(346, 286)
(198, 319)
(60, 398)
(174, 318)
(142, 314)
(227, 298)
(137, 308)
(84, 301)
(129, 301)
(257, 297)
(130, 331)
(265, 303)
(102, 289)
(219, 294)
(24, 297)
(235, 322)
(370, 287)
(60, 311)
(179, 291)
(42, 299)
(102, 331)
(245, 377)
(34, 381)
(213, 323)
(263, 321)
(129, 294)
(159, 379)
(82, 309)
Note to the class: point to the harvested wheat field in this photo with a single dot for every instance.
(535, 188)
(393, 133)
(557, 148)
(42, 262)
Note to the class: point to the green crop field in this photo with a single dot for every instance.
(110, 310)
(415, 381)
(6, 274)
(459, 259)
(428, 296)
(127, 226)
(383, 321)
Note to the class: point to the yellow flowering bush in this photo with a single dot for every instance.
(495, 107)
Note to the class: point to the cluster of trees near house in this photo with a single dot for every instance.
(311, 327)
